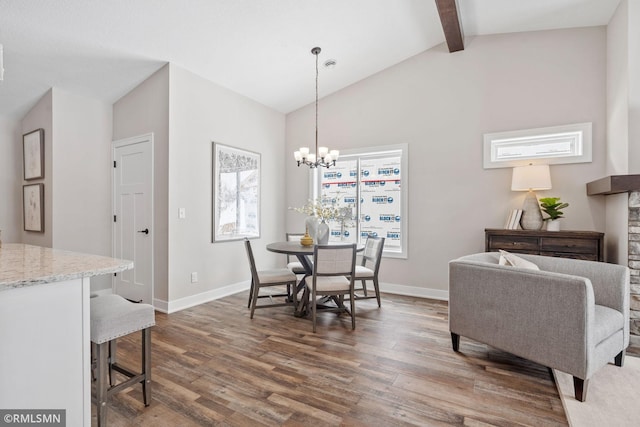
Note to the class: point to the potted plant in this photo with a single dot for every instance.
(552, 206)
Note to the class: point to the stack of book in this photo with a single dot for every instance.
(513, 222)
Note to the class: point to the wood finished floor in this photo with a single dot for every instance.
(212, 365)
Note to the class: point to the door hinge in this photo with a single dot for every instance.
(114, 218)
(114, 163)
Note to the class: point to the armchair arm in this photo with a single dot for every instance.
(543, 316)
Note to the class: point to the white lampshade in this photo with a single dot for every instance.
(531, 177)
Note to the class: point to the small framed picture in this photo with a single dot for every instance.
(33, 154)
(33, 207)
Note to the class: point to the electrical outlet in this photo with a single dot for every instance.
(194, 277)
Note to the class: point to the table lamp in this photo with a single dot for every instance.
(529, 178)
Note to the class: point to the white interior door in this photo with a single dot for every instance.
(133, 216)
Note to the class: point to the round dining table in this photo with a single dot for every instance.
(304, 255)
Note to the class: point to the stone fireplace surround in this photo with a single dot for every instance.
(634, 267)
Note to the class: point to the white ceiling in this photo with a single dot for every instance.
(258, 48)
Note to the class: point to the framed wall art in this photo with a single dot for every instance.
(33, 154)
(33, 207)
(236, 193)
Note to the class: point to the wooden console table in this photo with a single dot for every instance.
(587, 245)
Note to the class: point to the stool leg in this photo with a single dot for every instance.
(146, 366)
(113, 359)
(110, 360)
(102, 351)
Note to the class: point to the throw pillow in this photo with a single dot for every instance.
(507, 258)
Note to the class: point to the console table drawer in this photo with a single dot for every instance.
(587, 257)
(514, 243)
(576, 246)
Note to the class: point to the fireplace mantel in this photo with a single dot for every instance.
(613, 184)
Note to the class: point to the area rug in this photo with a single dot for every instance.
(613, 397)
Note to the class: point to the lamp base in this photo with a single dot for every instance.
(531, 215)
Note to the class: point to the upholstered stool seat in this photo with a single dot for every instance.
(112, 317)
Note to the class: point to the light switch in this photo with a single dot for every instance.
(182, 213)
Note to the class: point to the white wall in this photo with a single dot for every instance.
(441, 104)
(617, 162)
(77, 186)
(623, 119)
(10, 180)
(82, 177)
(41, 117)
(146, 110)
(202, 112)
(633, 28)
(187, 113)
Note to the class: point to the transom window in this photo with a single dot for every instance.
(551, 145)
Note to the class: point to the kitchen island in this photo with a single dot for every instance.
(44, 328)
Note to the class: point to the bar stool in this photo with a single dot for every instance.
(111, 317)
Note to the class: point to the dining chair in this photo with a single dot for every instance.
(332, 265)
(295, 266)
(267, 278)
(369, 267)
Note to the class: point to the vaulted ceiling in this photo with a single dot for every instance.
(258, 48)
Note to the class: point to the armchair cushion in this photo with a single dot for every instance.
(607, 321)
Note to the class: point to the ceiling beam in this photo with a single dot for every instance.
(448, 12)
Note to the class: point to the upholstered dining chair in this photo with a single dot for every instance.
(333, 275)
(295, 266)
(369, 267)
(266, 278)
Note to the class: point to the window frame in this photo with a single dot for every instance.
(575, 139)
(398, 150)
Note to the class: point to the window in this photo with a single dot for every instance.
(369, 188)
(551, 145)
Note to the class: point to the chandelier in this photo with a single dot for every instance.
(323, 157)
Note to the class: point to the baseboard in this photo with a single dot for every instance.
(414, 291)
(193, 300)
(214, 294)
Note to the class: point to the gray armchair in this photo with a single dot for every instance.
(572, 315)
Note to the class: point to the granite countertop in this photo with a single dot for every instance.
(27, 265)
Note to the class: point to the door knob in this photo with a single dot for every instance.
(145, 231)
